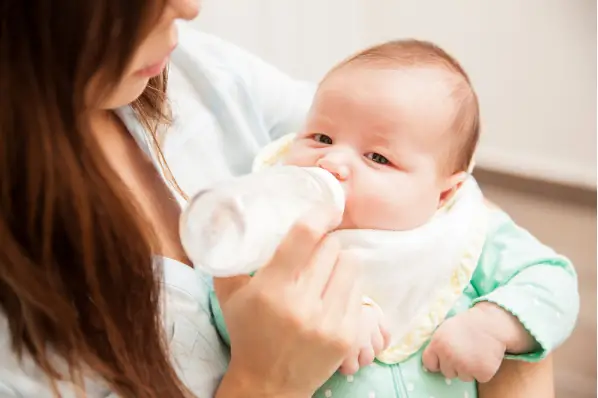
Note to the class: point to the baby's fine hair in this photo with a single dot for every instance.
(413, 53)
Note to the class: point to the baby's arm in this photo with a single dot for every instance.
(533, 283)
(527, 306)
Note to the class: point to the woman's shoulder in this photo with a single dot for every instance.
(200, 53)
(213, 53)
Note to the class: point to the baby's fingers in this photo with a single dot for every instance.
(377, 342)
(386, 337)
(447, 369)
(366, 356)
(430, 359)
(350, 365)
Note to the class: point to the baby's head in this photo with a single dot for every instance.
(397, 124)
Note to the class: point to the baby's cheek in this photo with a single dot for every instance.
(370, 209)
(385, 209)
(297, 156)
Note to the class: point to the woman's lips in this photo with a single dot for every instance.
(156, 68)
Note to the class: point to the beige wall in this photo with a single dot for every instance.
(533, 63)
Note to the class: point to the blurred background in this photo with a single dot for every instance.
(533, 64)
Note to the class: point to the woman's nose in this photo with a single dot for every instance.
(335, 166)
(185, 9)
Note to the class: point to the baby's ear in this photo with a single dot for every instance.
(451, 185)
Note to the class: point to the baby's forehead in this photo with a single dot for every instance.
(406, 96)
(431, 78)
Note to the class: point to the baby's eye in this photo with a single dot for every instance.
(376, 157)
(322, 138)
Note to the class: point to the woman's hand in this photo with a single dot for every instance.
(294, 322)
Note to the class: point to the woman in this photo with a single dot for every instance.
(90, 250)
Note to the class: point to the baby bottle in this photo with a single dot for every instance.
(234, 227)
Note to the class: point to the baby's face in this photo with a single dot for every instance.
(385, 135)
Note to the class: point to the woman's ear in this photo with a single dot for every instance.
(451, 185)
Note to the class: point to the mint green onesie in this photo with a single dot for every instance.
(516, 272)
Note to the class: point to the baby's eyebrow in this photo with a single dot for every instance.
(320, 118)
(382, 137)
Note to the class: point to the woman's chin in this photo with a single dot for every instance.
(127, 92)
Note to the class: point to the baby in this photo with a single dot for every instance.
(451, 282)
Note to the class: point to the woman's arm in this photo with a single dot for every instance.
(517, 379)
(236, 385)
(280, 102)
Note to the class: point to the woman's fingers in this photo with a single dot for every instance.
(297, 248)
(339, 295)
(315, 276)
(341, 307)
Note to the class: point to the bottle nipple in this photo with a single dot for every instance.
(336, 187)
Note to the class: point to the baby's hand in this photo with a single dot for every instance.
(467, 346)
(472, 345)
(373, 339)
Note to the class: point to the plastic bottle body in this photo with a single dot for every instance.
(235, 227)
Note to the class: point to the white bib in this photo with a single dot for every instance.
(415, 276)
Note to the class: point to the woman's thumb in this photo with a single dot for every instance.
(225, 288)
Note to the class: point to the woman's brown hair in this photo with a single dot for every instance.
(76, 274)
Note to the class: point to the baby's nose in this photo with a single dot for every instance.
(335, 167)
